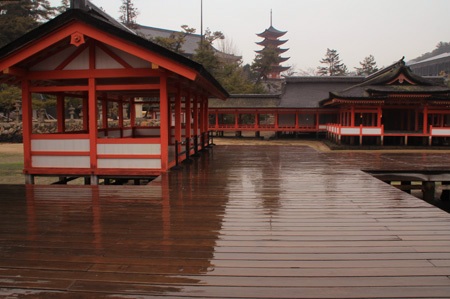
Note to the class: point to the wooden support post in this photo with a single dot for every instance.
(61, 115)
(352, 123)
(187, 110)
(406, 140)
(164, 122)
(29, 179)
(425, 119)
(94, 180)
(428, 190)
(85, 114)
(416, 120)
(27, 119)
(196, 119)
(178, 118)
(406, 183)
(93, 132)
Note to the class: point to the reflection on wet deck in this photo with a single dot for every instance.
(244, 222)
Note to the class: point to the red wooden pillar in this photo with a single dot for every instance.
(61, 116)
(164, 122)
(27, 120)
(425, 119)
(201, 118)
(178, 116)
(86, 114)
(133, 116)
(187, 110)
(352, 116)
(93, 132)
(217, 119)
(195, 111)
(317, 120)
(416, 126)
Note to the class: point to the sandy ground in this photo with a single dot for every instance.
(11, 148)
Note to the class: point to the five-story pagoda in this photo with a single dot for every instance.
(271, 39)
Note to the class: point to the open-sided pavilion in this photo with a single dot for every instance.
(82, 54)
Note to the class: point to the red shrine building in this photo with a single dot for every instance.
(391, 107)
(83, 54)
(271, 39)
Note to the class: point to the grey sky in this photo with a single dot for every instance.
(388, 29)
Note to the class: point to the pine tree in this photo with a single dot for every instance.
(65, 5)
(8, 97)
(334, 66)
(176, 40)
(264, 62)
(368, 66)
(17, 18)
(128, 14)
(205, 53)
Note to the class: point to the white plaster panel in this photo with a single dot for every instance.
(354, 131)
(127, 132)
(146, 132)
(371, 131)
(132, 60)
(129, 163)
(61, 161)
(81, 62)
(114, 134)
(440, 132)
(104, 61)
(60, 145)
(129, 149)
(52, 62)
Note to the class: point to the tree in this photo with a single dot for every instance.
(264, 62)
(65, 5)
(8, 97)
(368, 66)
(128, 14)
(334, 66)
(205, 53)
(176, 40)
(19, 17)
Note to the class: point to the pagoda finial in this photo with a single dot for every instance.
(270, 17)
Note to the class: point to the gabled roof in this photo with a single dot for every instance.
(394, 79)
(93, 18)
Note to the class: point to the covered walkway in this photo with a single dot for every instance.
(240, 222)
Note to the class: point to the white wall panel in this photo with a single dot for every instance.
(104, 61)
(129, 149)
(61, 161)
(129, 163)
(81, 62)
(127, 132)
(60, 145)
(354, 131)
(52, 62)
(371, 131)
(440, 132)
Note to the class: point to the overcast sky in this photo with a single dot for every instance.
(387, 29)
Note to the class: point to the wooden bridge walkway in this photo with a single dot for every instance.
(240, 222)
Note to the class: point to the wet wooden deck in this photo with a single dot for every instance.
(241, 222)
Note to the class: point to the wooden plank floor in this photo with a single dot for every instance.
(241, 222)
